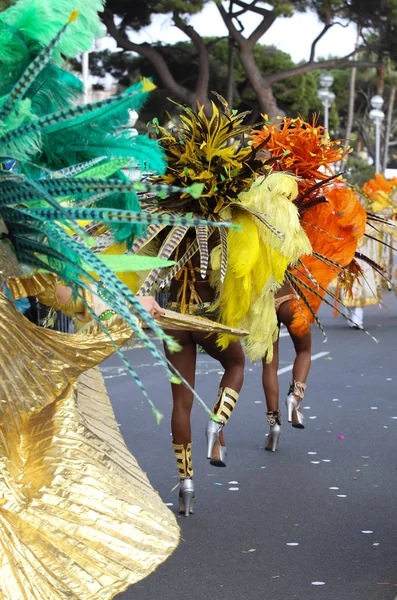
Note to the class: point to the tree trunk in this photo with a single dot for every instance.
(389, 124)
(174, 88)
(230, 74)
(203, 76)
(264, 93)
(352, 96)
(381, 81)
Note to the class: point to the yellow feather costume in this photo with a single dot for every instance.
(257, 261)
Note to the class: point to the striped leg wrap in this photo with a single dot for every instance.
(225, 404)
(183, 457)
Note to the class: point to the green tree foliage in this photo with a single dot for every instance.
(296, 95)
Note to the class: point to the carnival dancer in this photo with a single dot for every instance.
(334, 220)
(377, 197)
(228, 276)
(284, 303)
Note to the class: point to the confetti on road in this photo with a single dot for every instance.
(263, 467)
(292, 544)
(341, 496)
(374, 408)
(318, 582)
(233, 489)
(312, 417)
(376, 544)
(341, 437)
(169, 504)
(232, 482)
(335, 400)
(334, 488)
(307, 407)
(389, 379)
(216, 483)
(315, 462)
(258, 402)
(312, 452)
(367, 531)
(325, 460)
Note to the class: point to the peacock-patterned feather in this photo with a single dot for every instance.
(223, 238)
(172, 240)
(202, 239)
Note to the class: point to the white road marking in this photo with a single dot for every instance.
(290, 367)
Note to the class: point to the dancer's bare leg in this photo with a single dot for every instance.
(271, 390)
(270, 379)
(185, 362)
(303, 348)
(232, 359)
(302, 345)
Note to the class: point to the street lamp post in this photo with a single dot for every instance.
(326, 96)
(377, 115)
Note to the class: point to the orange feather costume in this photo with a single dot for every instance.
(334, 229)
(334, 226)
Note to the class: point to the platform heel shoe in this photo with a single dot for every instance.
(274, 422)
(295, 396)
(223, 408)
(187, 496)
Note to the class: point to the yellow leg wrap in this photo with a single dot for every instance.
(225, 404)
(183, 459)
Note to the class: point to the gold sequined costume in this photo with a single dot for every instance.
(78, 517)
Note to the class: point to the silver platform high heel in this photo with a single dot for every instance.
(183, 455)
(274, 421)
(223, 408)
(186, 496)
(216, 453)
(297, 390)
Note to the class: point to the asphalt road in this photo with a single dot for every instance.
(321, 510)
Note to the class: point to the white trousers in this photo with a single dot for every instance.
(357, 316)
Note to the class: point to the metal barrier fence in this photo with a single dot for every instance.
(37, 313)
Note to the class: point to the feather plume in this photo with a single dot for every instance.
(201, 233)
(172, 240)
(224, 263)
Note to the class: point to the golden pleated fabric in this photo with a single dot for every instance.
(79, 519)
(176, 321)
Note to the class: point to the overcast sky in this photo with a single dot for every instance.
(292, 35)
